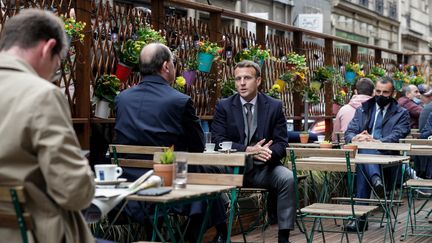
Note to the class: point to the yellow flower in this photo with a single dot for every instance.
(281, 83)
(180, 81)
(406, 80)
(276, 87)
(342, 92)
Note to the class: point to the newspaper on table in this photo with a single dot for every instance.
(107, 198)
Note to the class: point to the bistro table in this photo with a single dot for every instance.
(334, 164)
(177, 197)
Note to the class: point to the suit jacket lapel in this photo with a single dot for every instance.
(262, 112)
(238, 116)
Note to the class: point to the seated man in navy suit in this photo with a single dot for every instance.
(379, 119)
(153, 113)
(255, 122)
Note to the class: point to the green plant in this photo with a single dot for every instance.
(209, 47)
(191, 63)
(416, 80)
(378, 71)
(107, 87)
(180, 84)
(275, 91)
(299, 61)
(228, 88)
(149, 35)
(254, 53)
(323, 74)
(398, 75)
(340, 97)
(352, 67)
(129, 53)
(73, 28)
(168, 157)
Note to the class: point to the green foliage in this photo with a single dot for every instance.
(129, 53)
(191, 63)
(228, 88)
(149, 35)
(209, 47)
(254, 53)
(378, 71)
(299, 61)
(168, 157)
(416, 80)
(275, 91)
(323, 74)
(107, 87)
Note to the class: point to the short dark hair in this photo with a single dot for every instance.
(153, 64)
(30, 26)
(365, 86)
(385, 80)
(246, 64)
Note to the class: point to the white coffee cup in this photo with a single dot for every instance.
(321, 138)
(225, 145)
(209, 147)
(108, 172)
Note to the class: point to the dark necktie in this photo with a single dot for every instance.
(249, 120)
(378, 124)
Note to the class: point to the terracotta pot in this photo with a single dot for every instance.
(164, 171)
(326, 145)
(352, 147)
(304, 138)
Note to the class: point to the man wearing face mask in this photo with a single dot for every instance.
(380, 119)
(410, 100)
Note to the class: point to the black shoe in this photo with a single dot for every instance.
(219, 238)
(378, 187)
(352, 226)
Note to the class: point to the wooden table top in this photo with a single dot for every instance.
(190, 192)
(307, 145)
(359, 159)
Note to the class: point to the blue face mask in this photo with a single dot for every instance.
(416, 100)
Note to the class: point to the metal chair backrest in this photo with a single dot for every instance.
(130, 150)
(17, 217)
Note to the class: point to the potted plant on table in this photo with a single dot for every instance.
(304, 137)
(165, 169)
(207, 51)
(105, 90)
(326, 145)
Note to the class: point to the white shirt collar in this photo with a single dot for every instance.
(253, 101)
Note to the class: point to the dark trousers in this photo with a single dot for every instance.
(278, 180)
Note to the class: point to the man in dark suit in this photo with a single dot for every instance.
(255, 123)
(153, 113)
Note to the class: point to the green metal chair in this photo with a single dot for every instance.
(321, 210)
(17, 218)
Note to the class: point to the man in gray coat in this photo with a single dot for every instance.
(39, 148)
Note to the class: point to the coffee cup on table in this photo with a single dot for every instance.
(225, 145)
(321, 138)
(209, 147)
(107, 172)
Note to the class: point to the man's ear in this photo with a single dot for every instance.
(258, 80)
(165, 67)
(48, 47)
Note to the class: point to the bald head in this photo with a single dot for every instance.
(153, 57)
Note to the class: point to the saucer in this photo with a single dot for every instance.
(116, 182)
(211, 152)
(227, 150)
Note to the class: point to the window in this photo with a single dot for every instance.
(393, 11)
(379, 6)
(364, 3)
